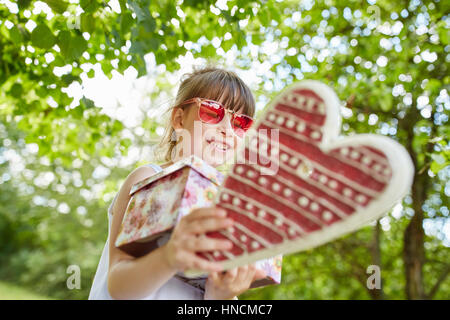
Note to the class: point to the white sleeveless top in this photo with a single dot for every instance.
(173, 289)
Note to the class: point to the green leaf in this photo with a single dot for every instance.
(436, 167)
(386, 102)
(23, 4)
(263, 16)
(87, 23)
(15, 35)
(16, 90)
(444, 34)
(141, 12)
(126, 143)
(89, 6)
(126, 21)
(87, 103)
(226, 45)
(433, 85)
(274, 12)
(69, 78)
(42, 37)
(72, 46)
(153, 44)
(58, 6)
(91, 73)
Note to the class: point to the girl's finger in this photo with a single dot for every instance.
(193, 261)
(200, 226)
(230, 275)
(242, 277)
(202, 213)
(214, 277)
(207, 244)
(259, 274)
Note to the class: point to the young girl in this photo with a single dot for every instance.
(223, 114)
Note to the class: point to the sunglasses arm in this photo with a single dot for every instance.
(188, 102)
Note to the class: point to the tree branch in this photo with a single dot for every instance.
(438, 283)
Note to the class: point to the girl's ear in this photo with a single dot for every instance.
(177, 118)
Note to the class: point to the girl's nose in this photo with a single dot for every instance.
(225, 124)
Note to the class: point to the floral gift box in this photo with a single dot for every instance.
(158, 202)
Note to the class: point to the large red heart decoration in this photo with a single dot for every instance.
(297, 184)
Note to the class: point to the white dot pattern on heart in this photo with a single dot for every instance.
(287, 192)
(325, 184)
(255, 245)
(290, 123)
(310, 104)
(366, 160)
(304, 170)
(327, 215)
(354, 155)
(280, 120)
(360, 198)
(225, 197)
(301, 127)
(303, 201)
(249, 206)
(377, 167)
(236, 201)
(321, 107)
(293, 161)
(243, 237)
(315, 135)
(333, 184)
(323, 179)
(347, 192)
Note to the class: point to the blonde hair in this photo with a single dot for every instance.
(208, 82)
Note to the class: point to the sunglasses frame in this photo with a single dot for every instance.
(198, 101)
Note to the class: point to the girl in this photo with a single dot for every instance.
(218, 103)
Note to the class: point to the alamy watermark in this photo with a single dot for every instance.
(74, 280)
(374, 280)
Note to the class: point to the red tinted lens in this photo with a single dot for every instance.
(241, 124)
(211, 112)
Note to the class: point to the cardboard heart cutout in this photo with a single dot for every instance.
(308, 185)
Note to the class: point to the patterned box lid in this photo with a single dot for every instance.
(192, 161)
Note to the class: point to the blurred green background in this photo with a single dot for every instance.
(83, 87)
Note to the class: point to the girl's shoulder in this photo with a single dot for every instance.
(138, 174)
(155, 167)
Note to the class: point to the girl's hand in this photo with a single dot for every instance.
(229, 284)
(188, 237)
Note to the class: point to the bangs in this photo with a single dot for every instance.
(230, 90)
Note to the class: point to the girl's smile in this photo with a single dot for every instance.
(219, 146)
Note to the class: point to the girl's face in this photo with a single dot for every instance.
(216, 144)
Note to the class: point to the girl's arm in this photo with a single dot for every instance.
(135, 278)
(130, 277)
(233, 282)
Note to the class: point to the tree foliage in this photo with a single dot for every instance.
(388, 62)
